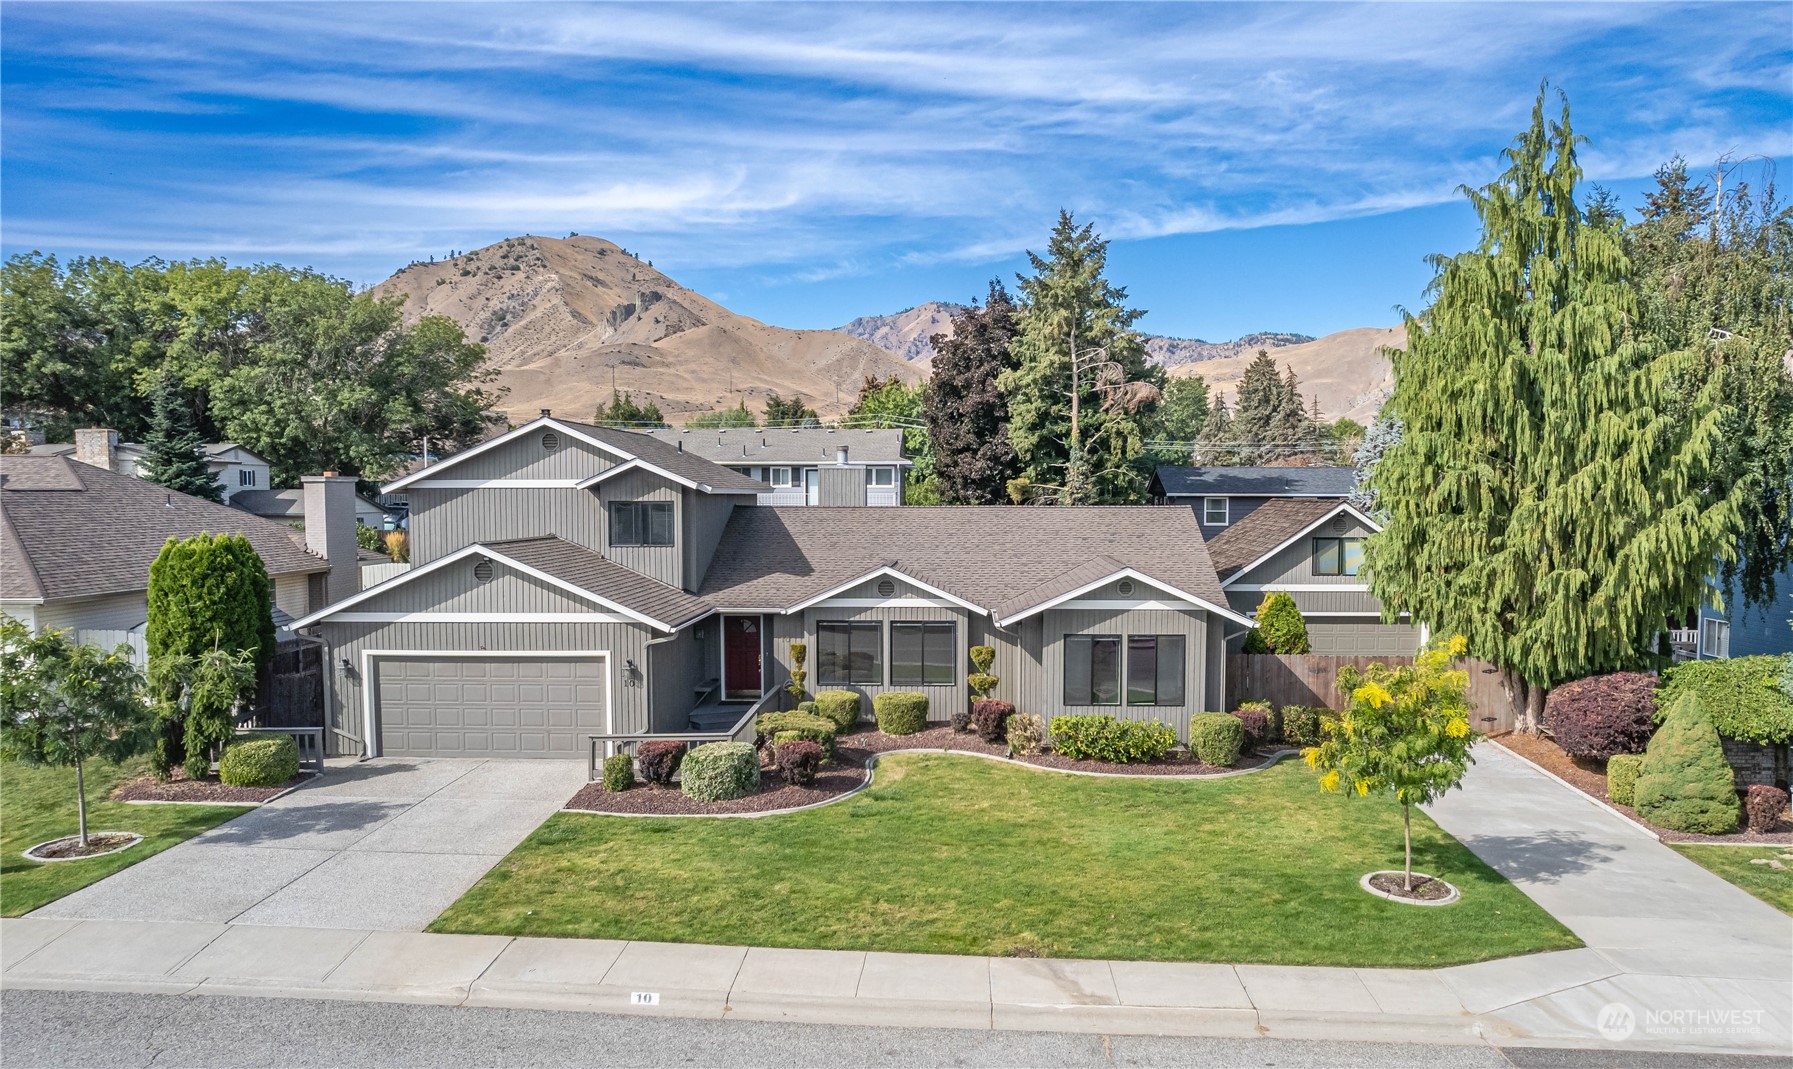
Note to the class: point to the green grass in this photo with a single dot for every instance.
(964, 856)
(39, 803)
(1732, 863)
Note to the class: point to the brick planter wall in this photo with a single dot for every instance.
(1754, 762)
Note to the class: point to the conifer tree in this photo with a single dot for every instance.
(173, 454)
(967, 416)
(1548, 496)
(1214, 444)
(623, 410)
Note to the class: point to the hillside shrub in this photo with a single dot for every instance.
(840, 706)
(1600, 716)
(1301, 725)
(1742, 696)
(1685, 783)
(718, 771)
(1621, 777)
(1216, 738)
(989, 716)
(1026, 733)
(797, 761)
(267, 761)
(1280, 626)
(901, 712)
(659, 761)
(774, 728)
(1257, 727)
(1763, 806)
(619, 772)
(1105, 738)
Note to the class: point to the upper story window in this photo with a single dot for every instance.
(245, 476)
(1715, 638)
(883, 477)
(781, 477)
(850, 653)
(1338, 556)
(1214, 511)
(641, 523)
(923, 654)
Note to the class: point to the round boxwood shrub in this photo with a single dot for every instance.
(619, 772)
(901, 712)
(660, 760)
(775, 728)
(1600, 716)
(267, 761)
(718, 771)
(1621, 777)
(840, 706)
(797, 761)
(1685, 783)
(1216, 738)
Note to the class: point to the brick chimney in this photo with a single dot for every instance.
(330, 533)
(97, 446)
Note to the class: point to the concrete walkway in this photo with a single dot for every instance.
(386, 844)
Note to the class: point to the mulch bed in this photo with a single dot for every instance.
(97, 843)
(1589, 777)
(847, 771)
(181, 789)
(1424, 890)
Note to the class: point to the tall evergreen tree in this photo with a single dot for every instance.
(1215, 443)
(791, 413)
(1548, 498)
(1259, 408)
(967, 415)
(174, 456)
(623, 410)
(1183, 412)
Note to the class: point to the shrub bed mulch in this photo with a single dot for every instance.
(1589, 778)
(847, 771)
(197, 791)
(1425, 888)
(99, 842)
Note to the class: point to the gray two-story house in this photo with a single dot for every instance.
(570, 581)
(805, 465)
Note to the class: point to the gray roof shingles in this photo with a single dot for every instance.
(800, 445)
(73, 530)
(1256, 482)
(1265, 528)
(591, 571)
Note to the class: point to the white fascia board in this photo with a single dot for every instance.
(1344, 506)
(893, 573)
(382, 587)
(503, 439)
(638, 464)
(1127, 573)
(428, 617)
(1301, 588)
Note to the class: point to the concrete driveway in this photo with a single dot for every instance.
(385, 844)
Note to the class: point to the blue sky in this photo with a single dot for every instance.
(1259, 167)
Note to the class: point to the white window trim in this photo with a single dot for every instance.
(884, 471)
(1715, 638)
(370, 683)
(1126, 573)
(1226, 512)
(876, 573)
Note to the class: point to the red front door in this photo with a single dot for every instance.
(741, 657)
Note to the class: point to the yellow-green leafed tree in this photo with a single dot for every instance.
(1405, 732)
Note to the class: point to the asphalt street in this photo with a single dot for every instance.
(98, 1030)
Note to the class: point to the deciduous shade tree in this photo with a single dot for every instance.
(967, 415)
(62, 702)
(1685, 783)
(1404, 732)
(892, 402)
(737, 416)
(1549, 495)
(173, 456)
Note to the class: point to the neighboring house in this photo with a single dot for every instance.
(288, 506)
(570, 581)
(76, 543)
(1739, 630)
(805, 465)
(1223, 496)
(234, 468)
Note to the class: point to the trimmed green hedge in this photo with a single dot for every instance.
(718, 771)
(1105, 738)
(1621, 776)
(840, 706)
(619, 772)
(792, 727)
(267, 761)
(901, 712)
(1685, 783)
(1742, 696)
(1216, 738)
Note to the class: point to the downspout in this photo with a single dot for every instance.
(647, 674)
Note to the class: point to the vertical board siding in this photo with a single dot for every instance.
(525, 458)
(1238, 509)
(108, 612)
(1344, 599)
(674, 668)
(447, 521)
(656, 562)
(454, 588)
(292, 593)
(840, 486)
(1192, 624)
(1296, 563)
(705, 518)
(1311, 679)
(942, 700)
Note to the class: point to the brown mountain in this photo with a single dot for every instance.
(1346, 369)
(564, 319)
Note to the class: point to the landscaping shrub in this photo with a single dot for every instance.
(1104, 738)
(1027, 733)
(901, 712)
(806, 707)
(797, 762)
(989, 716)
(1763, 806)
(981, 682)
(619, 772)
(1600, 716)
(1216, 738)
(718, 771)
(960, 719)
(1271, 730)
(774, 728)
(1301, 725)
(1280, 626)
(1257, 727)
(1742, 696)
(660, 760)
(263, 762)
(840, 706)
(1621, 777)
(1685, 783)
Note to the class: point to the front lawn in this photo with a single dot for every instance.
(1773, 886)
(39, 803)
(965, 856)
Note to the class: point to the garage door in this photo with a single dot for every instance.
(1367, 638)
(489, 706)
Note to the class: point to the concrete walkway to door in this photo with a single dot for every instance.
(382, 845)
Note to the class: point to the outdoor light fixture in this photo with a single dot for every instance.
(629, 663)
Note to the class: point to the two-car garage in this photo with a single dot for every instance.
(496, 705)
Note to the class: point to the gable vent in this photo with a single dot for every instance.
(1339, 524)
(886, 588)
(550, 442)
(1125, 587)
(483, 571)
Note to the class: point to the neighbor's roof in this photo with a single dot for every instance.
(1001, 558)
(73, 530)
(796, 445)
(67, 449)
(283, 503)
(1264, 529)
(1256, 482)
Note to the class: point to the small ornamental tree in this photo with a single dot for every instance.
(63, 702)
(981, 682)
(199, 699)
(799, 654)
(1405, 732)
(1280, 626)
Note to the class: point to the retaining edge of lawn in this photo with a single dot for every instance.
(1269, 762)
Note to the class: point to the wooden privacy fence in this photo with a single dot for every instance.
(1311, 679)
